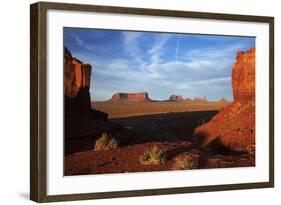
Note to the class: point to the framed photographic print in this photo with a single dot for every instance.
(134, 102)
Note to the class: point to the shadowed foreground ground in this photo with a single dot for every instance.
(171, 132)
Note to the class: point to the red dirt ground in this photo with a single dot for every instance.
(126, 159)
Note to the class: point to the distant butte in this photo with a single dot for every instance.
(200, 99)
(130, 97)
(176, 98)
(223, 100)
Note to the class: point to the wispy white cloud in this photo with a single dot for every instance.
(79, 41)
(156, 50)
(214, 82)
(214, 52)
(177, 49)
(90, 47)
(130, 44)
(129, 37)
(186, 71)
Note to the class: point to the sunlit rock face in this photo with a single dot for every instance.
(76, 85)
(234, 126)
(243, 76)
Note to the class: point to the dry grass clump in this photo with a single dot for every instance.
(186, 161)
(105, 142)
(154, 156)
(251, 149)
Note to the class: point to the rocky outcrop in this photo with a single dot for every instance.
(82, 125)
(234, 126)
(176, 98)
(130, 97)
(196, 99)
(76, 85)
(243, 76)
(200, 99)
(223, 100)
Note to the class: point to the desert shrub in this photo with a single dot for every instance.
(186, 161)
(153, 156)
(105, 142)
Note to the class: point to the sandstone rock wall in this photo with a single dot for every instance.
(82, 125)
(234, 126)
(243, 76)
(76, 85)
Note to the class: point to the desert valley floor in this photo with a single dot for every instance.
(167, 125)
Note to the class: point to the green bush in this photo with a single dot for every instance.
(155, 156)
(105, 142)
(186, 161)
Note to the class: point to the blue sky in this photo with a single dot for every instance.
(161, 64)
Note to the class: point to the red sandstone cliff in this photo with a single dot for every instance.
(234, 126)
(130, 97)
(82, 125)
(243, 76)
(76, 85)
